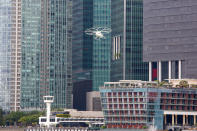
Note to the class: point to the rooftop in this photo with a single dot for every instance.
(174, 83)
(84, 114)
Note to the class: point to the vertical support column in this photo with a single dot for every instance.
(114, 49)
(186, 119)
(48, 113)
(124, 41)
(169, 70)
(165, 119)
(172, 119)
(150, 71)
(179, 69)
(176, 119)
(183, 119)
(159, 71)
(194, 120)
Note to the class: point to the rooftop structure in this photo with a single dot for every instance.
(129, 84)
(139, 104)
(173, 83)
(84, 114)
(192, 83)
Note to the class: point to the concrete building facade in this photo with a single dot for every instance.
(170, 38)
(93, 101)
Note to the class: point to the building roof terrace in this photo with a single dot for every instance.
(150, 84)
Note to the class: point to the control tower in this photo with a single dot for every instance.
(48, 100)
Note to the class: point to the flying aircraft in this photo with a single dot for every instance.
(98, 32)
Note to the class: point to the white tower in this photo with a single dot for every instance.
(48, 100)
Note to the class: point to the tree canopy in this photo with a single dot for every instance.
(24, 118)
(1, 117)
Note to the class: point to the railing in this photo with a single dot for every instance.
(60, 129)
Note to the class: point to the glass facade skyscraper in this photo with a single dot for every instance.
(46, 53)
(60, 52)
(101, 48)
(91, 58)
(10, 48)
(82, 50)
(82, 43)
(127, 37)
(30, 68)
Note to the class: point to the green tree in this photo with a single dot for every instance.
(193, 86)
(1, 118)
(103, 127)
(162, 83)
(63, 115)
(29, 119)
(13, 117)
(183, 83)
(57, 109)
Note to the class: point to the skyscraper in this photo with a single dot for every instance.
(170, 38)
(10, 54)
(46, 53)
(30, 72)
(60, 52)
(82, 43)
(101, 48)
(91, 58)
(81, 52)
(127, 37)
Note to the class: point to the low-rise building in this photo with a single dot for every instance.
(93, 101)
(140, 104)
(75, 118)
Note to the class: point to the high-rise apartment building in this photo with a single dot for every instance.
(127, 37)
(10, 54)
(46, 53)
(170, 38)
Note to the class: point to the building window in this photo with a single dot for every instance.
(43, 120)
(116, 48)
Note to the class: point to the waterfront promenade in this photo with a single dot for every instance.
(59, 129)
(12, 129)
